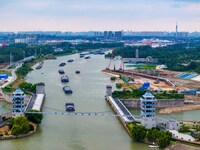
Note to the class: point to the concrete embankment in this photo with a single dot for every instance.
(161, 103)
(124, 121)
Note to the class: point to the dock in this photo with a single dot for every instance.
(37, 100)
(125, 117)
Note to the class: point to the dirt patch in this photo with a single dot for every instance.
(17, 82)
(180, 146)
(178, 109)
(5, 130)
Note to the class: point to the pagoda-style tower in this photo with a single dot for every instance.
(18, 103)
(147, 105)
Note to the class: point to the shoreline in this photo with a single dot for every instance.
(168, 110)
(171, 110)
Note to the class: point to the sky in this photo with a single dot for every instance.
(99, 15)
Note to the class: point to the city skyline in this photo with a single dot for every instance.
(94, 15)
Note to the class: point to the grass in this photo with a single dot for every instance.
(5, 71)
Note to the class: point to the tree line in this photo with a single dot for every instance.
(178, 57)
(20, 50)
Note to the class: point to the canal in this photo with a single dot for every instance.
(75, 132)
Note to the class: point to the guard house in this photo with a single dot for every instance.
(18, 103)
(147, 105)
(109, 90)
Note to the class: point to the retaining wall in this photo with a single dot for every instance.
(161, 103)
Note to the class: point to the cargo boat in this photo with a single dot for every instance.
(62, 64)
(69, 107)
(61, 71)
(87, 57)
(40, 65)
(70, 60)
(64, 79)
(67, 90)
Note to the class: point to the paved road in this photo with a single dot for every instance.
(125, 111)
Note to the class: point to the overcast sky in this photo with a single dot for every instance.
(99, 15)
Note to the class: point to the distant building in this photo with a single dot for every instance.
(27, 40)
(110, 35)
(18, 103)
(105, 34)
(118, 35)
(148, 110)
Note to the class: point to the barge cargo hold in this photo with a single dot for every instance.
(62, 64)
(61, 71)
(77, 72)
(64, 79)
(67, 90)
(87, 57)
(70, 60)
(69, 107)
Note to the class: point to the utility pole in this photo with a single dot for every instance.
(11, 59)
(24, 54)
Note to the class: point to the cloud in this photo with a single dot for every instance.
(98, 14)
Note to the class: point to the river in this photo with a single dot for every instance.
(73, 132)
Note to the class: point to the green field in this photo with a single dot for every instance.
(142, 66)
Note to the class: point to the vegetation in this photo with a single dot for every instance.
(35, 118)
(178, 57)
(18, 50)
(138, 133)
(8, 89)
(5, 72)
(141, 134)
(20, 125)
(136, 93)
(118, 85)
(184, 129)
(25, 86)
(112, 78)
(23, 70)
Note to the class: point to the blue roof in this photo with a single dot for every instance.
(18, 91)
(148, 94)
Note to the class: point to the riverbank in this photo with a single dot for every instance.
(180, 146)
(172, 105)
(6, 134)
(171, 110)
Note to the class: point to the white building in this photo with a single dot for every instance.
(147, 105)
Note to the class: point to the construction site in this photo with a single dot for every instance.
(159, 79)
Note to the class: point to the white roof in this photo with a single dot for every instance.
(38, 102)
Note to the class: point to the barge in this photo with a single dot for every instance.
(64, 79)
(61, 71)
(67, 90)
(69, 107)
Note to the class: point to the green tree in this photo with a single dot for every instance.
(28, 87)
(118, 85)
(20, 126)
(36, 118)
(138, 133)
(152, 135)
